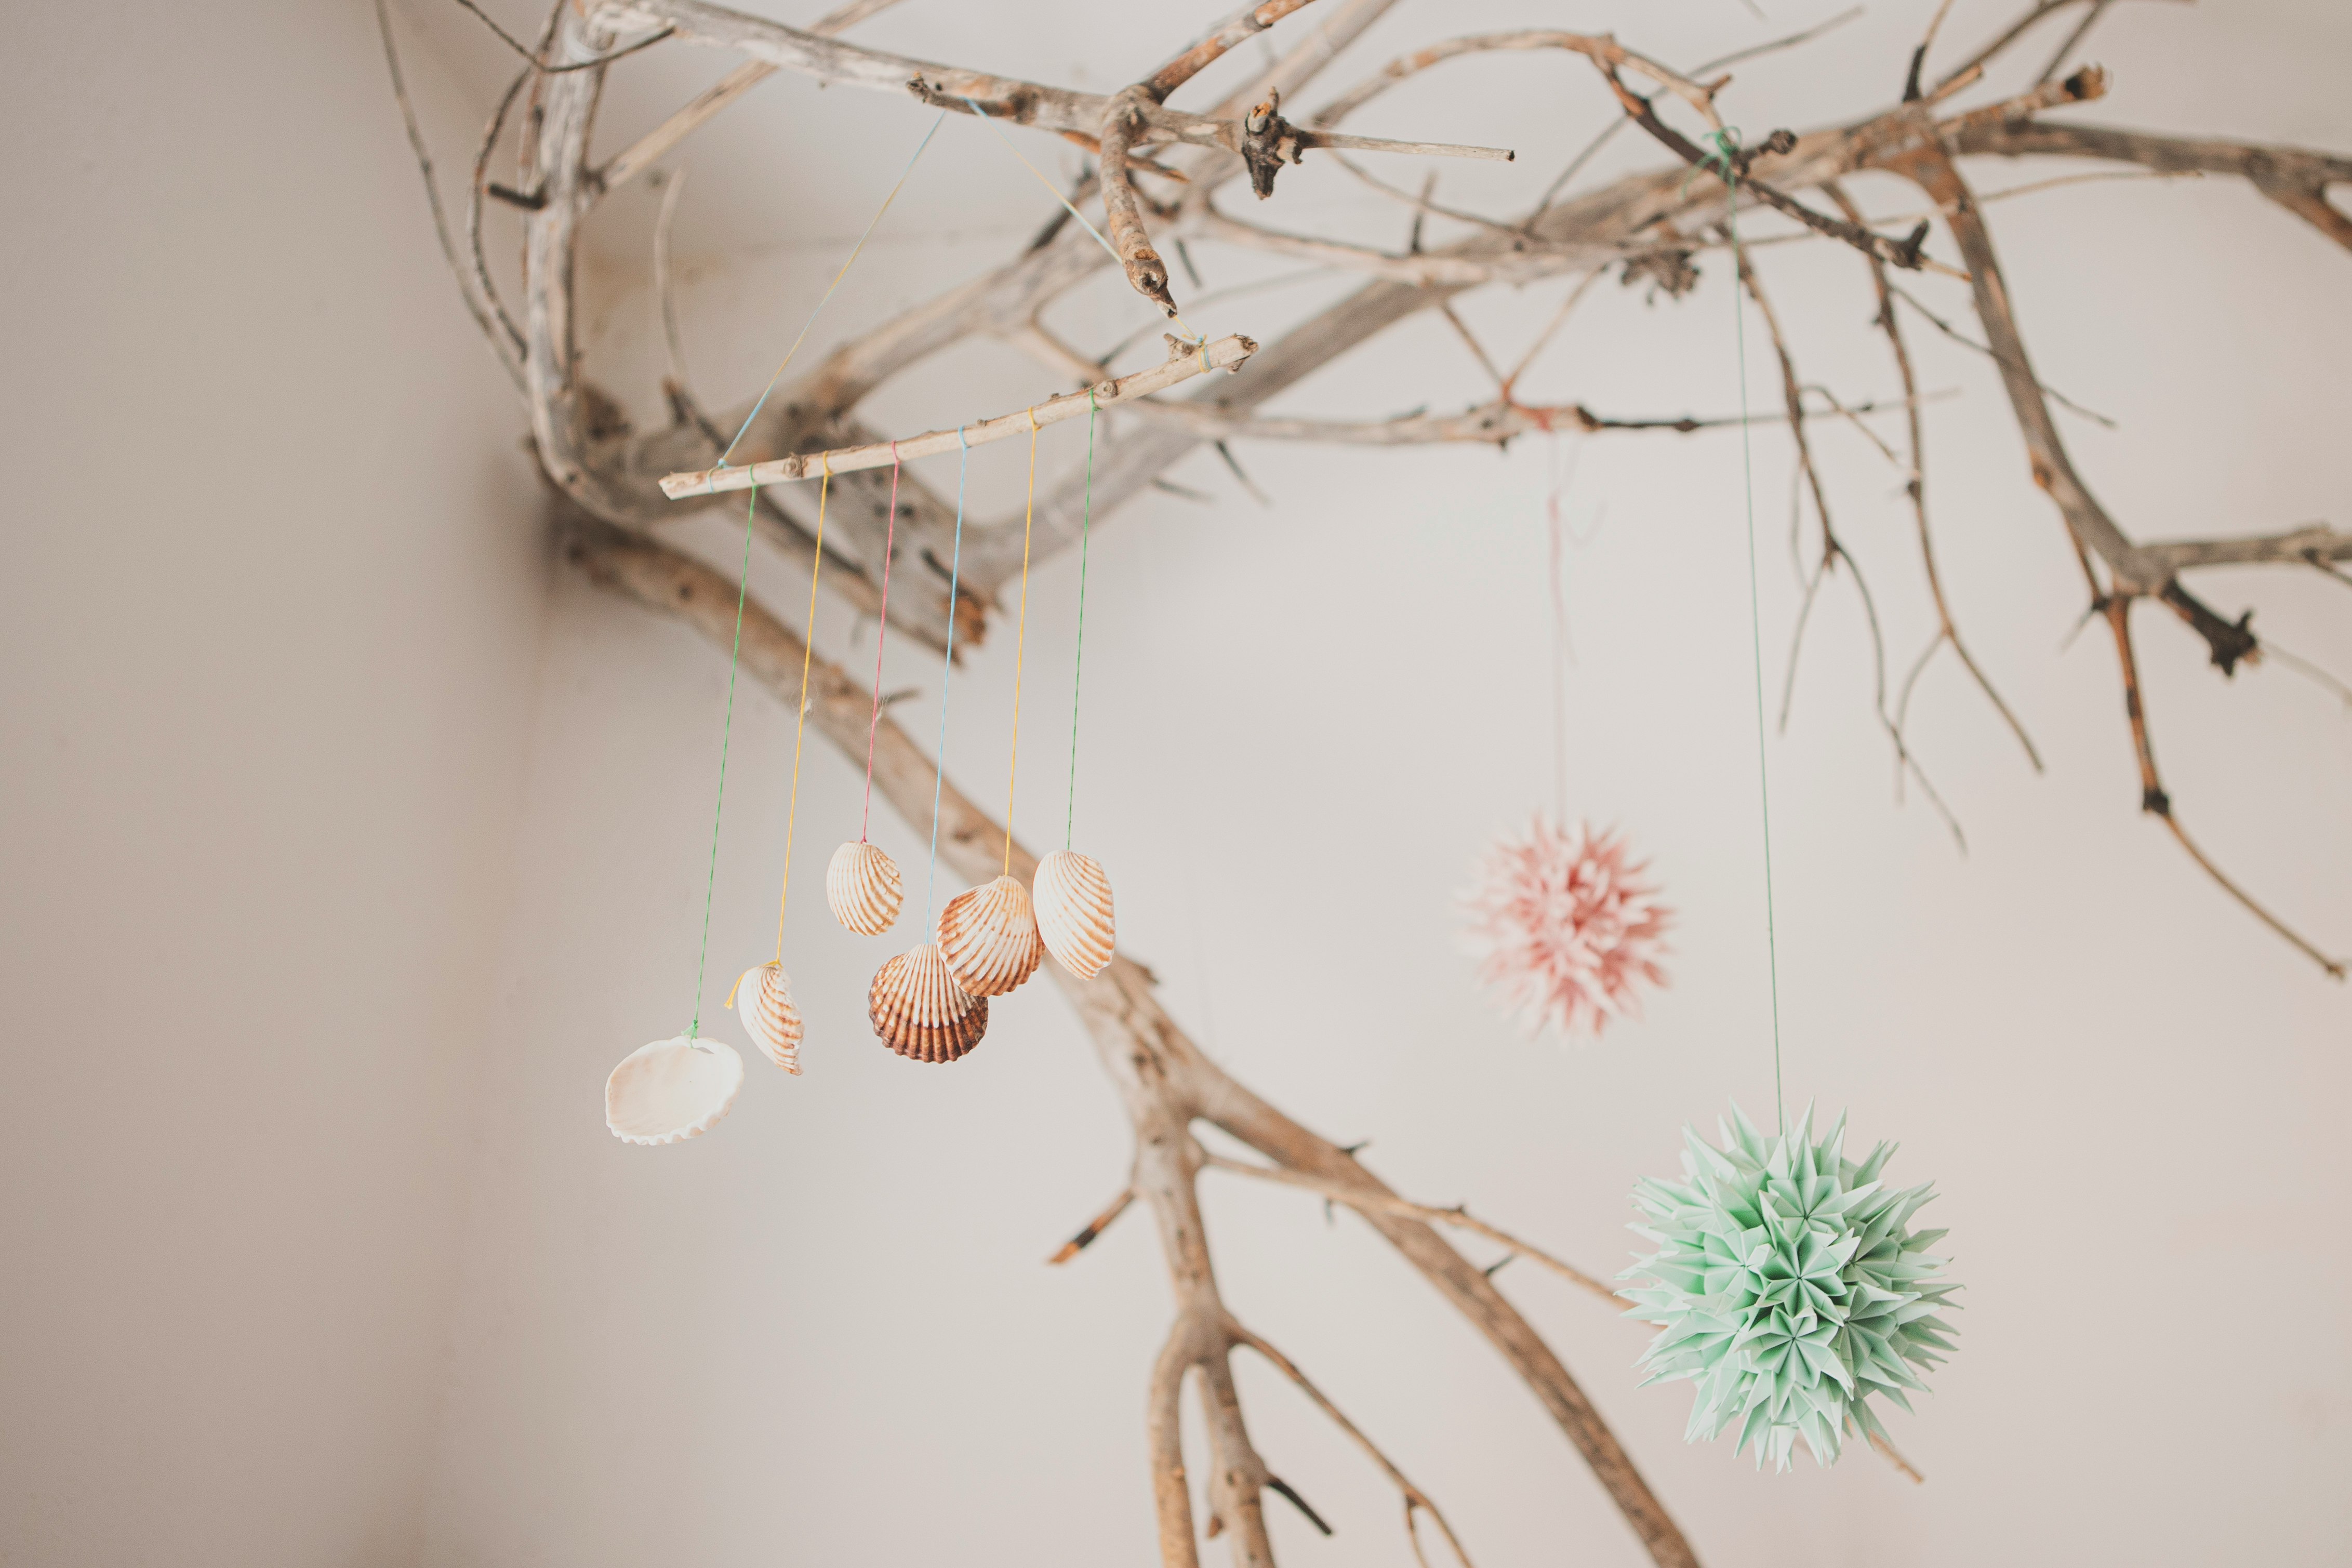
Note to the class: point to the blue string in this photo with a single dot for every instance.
(1727, 142)
(726, 739)
(837, 276)
(939, 761)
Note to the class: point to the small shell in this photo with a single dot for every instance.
(862, 888)
(671, 1089)
(989, 938)
(764, 996)
(1074, 912)
(918, 1011)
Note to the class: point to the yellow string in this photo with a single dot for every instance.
(1021, 638)
(800, 717)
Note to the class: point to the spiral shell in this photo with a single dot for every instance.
(989, 938)
(863, 888)
(918, 1010)
(764, 997)
(671, 1090)
(1074, 912)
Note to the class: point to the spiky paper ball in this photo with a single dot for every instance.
(1790, 1288)
(1563, 927)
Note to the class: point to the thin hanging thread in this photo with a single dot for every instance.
(881, 634)
(800, 717)
(1079, 664)
(1021, 638)
(1727, 145)
(940, 759)
(726, 739)
(853, 253)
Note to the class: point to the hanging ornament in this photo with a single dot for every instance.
(1564, 927)
(765, 993)
(918, 1009)
(989, 938)
(1074, 911)
(671, 1090)
(862, 888)
(1788, 1286)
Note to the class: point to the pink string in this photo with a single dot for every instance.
(881, 633)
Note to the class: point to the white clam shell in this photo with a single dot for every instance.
(863, 888)
(1074, 911)
(764, 997)
(989, 938)
(918, 1010)
(671, 1090)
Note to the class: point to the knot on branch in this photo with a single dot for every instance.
(1267, 142)
(1670, 270)
(2156, 801)
(2228, 641)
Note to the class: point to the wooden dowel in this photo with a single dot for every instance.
(1339, 140)
(1184, 362)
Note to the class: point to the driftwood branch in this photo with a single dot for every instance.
(1653, 227)
(1164, 1080)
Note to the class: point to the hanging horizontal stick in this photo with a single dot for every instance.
(1185, 361)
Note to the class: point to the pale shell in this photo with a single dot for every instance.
(918, 1011)
(989, 938)
(671, 1089)
(764, 996)
(862, 888)
(1074, 911)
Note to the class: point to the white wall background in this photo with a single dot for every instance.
(305, 1280)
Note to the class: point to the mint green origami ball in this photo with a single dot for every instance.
(1790, 1285)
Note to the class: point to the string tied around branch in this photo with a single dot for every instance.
(1723, 155)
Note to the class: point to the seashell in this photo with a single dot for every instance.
(989, 938)
(671, 1090)
(862, 888)
(918, 1010)
(1074, 911)
(764, 997)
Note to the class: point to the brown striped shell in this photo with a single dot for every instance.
(863, 888)
(764, 996)
(989, 938)
(918, 1011)
(1074, 911)
(671, 1090)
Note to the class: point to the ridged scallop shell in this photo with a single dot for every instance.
(989, 938)
(918, 1010)
(764, 996)
(862, 888)
(671, 1090)
(1074, 911)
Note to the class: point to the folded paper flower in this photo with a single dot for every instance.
(1563, 927)
(1790, 1287)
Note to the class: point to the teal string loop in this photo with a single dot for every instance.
(946, 670)
(1079, 665)
(1726, 143)
(726, 739)
(1723, 157)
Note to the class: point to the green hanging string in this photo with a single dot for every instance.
(1079, 665)
(726, 737)
(1725, 160)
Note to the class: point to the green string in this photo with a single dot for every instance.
(1724, 159)
(726, 737)
(1078, 669)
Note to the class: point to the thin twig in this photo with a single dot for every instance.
(538, 62)
(1093, 1229)
(1961, 337)
(1458, 1217)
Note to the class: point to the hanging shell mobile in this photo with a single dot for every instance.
(1074, 911)
(764, 996)
(989, 938)
(918, 1010)
(862, 888)
(671, 1090)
